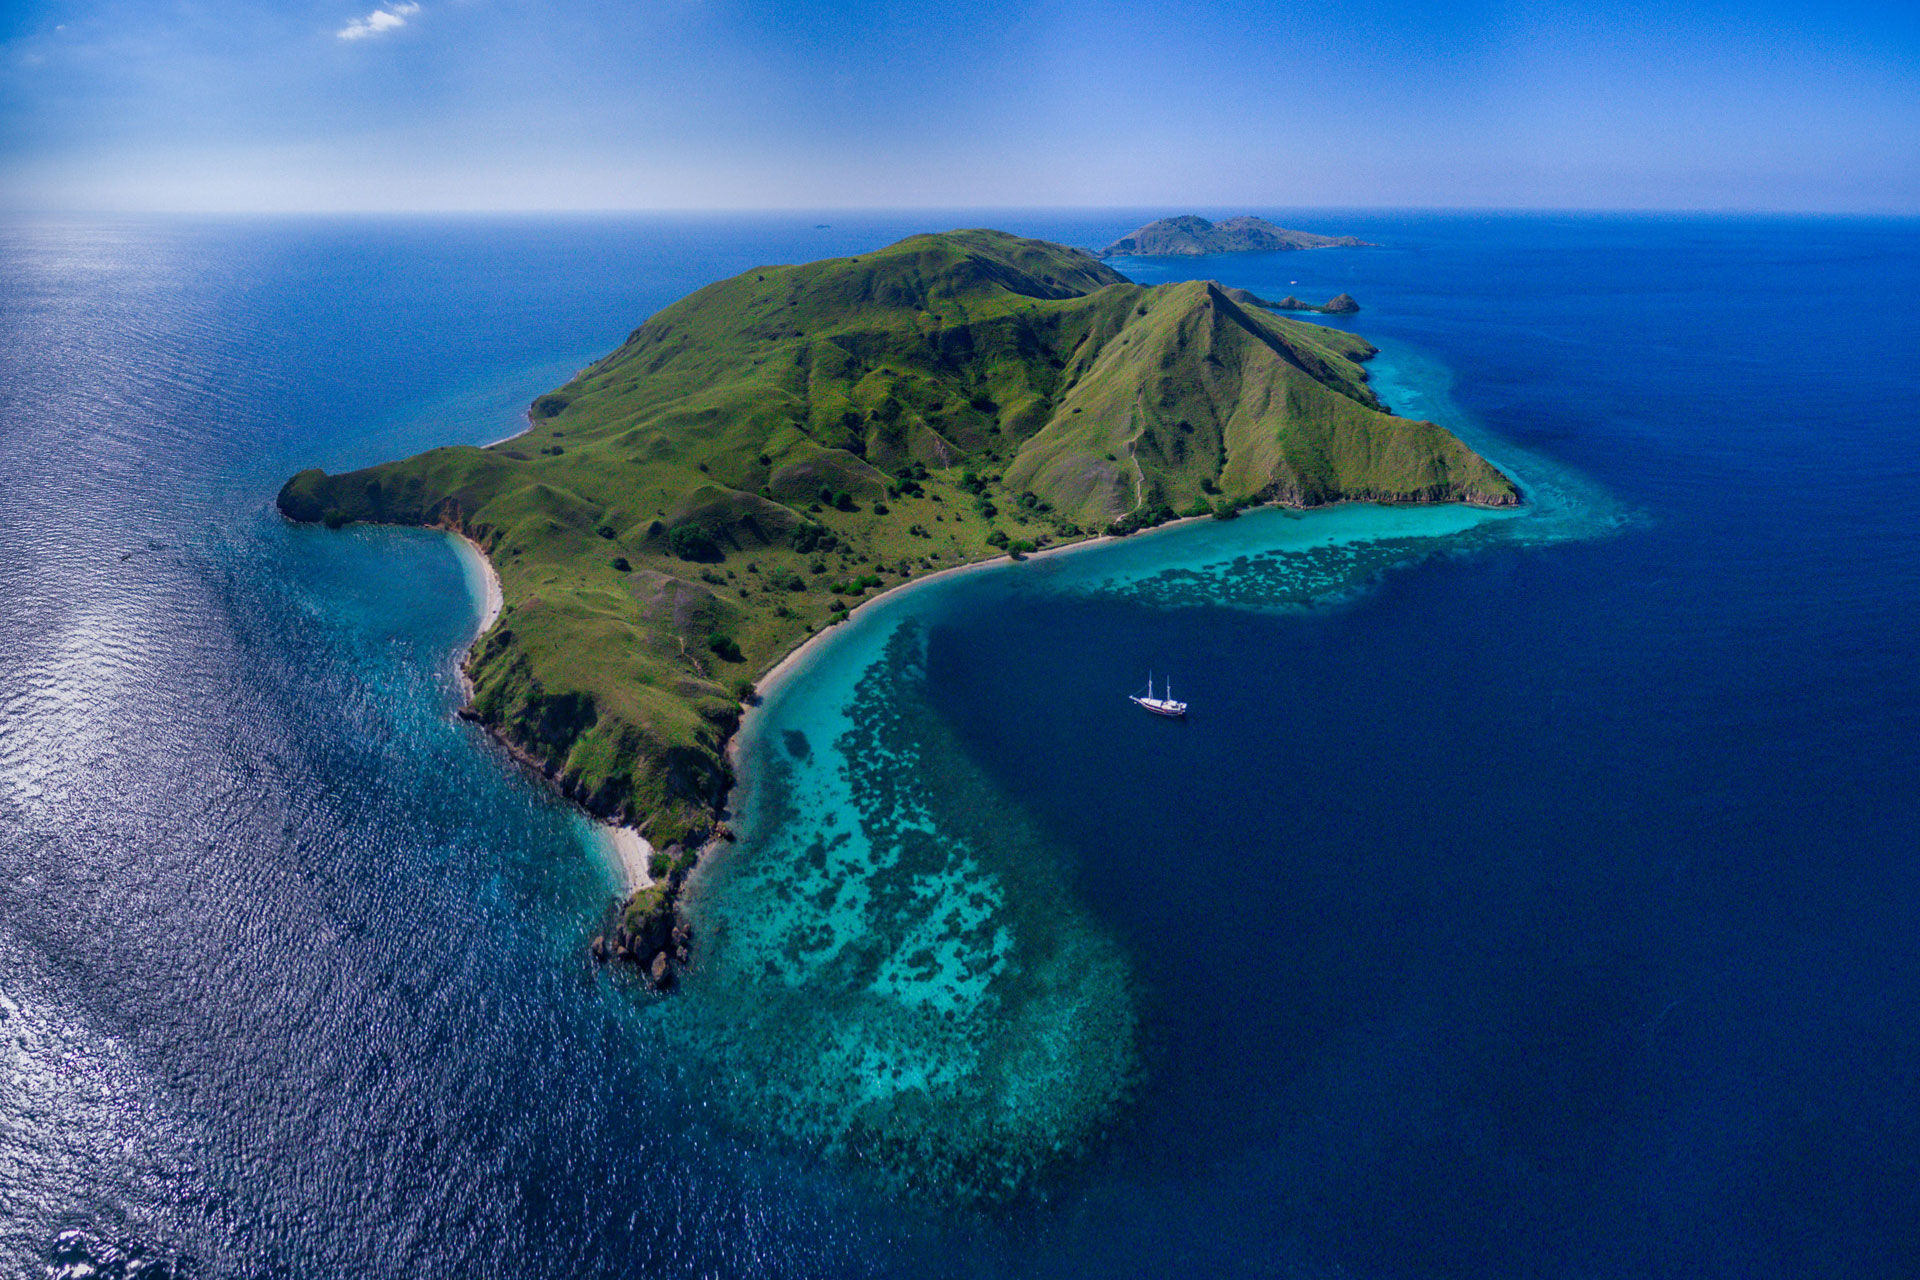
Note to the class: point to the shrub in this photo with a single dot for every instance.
(605, 531)
(620, 563)
(1225, 509)
(690, 542)
(812, 537)
(1145, 518)
(844, 501)
(549, 405)
(725, 646)
(998, 538)
(336, 518)
(1198, 507)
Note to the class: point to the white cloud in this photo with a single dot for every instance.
(379, 21)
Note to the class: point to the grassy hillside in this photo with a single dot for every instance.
(765, 452)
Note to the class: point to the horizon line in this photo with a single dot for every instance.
(613, 211)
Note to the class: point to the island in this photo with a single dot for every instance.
(762, 455)
(1190, 236)
(1341, 304)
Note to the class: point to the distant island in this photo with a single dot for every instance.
(767, 452)
(1339, 305)
(1190, 236)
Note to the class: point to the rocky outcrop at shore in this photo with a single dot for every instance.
(648, 929)
(650, 934)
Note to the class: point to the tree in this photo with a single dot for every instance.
(690, 542)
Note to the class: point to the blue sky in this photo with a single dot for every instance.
(709, 104)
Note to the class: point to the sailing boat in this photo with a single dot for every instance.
(1159, 706)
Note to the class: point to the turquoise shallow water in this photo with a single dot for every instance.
(898, 969)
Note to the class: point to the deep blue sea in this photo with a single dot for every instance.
(1527, 894)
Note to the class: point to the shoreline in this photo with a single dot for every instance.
(495, 600)
(782, 671)
(528, 415)
(627, 852)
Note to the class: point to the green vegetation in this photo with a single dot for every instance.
(1190, 236)
(774, 446)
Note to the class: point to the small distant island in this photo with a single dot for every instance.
(1190, 236)
(764, 454)
(1339, 305)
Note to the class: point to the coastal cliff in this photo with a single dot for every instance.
(763, 454)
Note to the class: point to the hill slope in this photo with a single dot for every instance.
(769, 449)
(1189, 236)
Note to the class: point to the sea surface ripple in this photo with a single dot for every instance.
(1527, 893)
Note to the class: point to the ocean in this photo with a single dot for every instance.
(1527, 893)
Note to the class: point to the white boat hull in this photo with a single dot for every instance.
(1160, 707)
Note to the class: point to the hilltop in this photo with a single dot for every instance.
(765, 452)
(1190, 236)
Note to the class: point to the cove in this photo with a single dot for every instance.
(898, 966)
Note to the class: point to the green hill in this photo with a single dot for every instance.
(765, 452)
(1189, 236)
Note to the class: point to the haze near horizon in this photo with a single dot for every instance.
(503, 105)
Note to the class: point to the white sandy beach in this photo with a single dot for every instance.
(783, 670)
(495, 599)
(629, 853)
